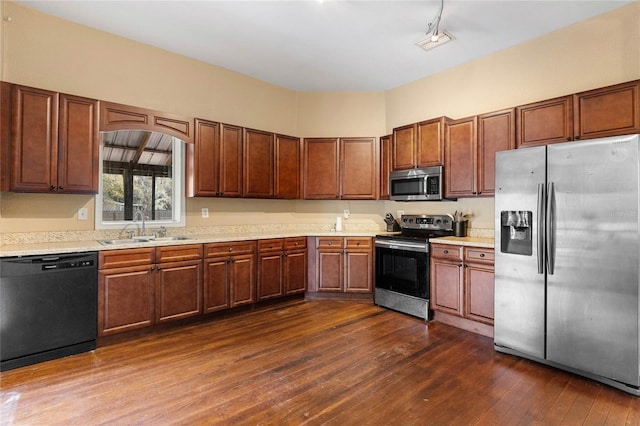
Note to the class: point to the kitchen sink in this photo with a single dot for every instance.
(134, 240)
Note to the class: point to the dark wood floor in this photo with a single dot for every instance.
(313, 362)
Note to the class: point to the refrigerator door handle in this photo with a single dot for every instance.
(550, 229)
(541, 216)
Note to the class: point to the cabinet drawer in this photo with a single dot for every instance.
(273, 245)
(475, 254)
(179, 253)
(124, 258)
(358, 243)
(223, 249)
(444, 251)
(330, 242)
(295, 243)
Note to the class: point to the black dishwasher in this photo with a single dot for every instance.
(48, 307)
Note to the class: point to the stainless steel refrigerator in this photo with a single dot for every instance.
(568, 257)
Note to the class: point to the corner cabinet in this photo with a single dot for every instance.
(54, 145)
(462, 286)
(344, 264)
(340, 168)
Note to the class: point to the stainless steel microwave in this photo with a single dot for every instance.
(416, 184)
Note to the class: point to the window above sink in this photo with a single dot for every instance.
(140, 171)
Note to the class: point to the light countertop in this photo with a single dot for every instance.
(465, 241)
(43, 248)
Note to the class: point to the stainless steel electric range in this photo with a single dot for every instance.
(402, 273)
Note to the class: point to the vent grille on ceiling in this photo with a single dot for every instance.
(428, 43)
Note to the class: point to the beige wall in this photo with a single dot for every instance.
(43, 51)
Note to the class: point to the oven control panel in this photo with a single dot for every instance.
(426, 221)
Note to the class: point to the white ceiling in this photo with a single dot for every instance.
(330, 45)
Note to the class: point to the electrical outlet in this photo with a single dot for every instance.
(205, 212)
(347, 213)
(83, 213)
(400, 213)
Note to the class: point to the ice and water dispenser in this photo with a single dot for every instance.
(515, 232)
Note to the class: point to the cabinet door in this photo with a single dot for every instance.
(216, 284)
(206, 159)
(609, 111)
(5, 125)
(258, 164)
(270, 269)
(479, 280)
(178, 290)
(78, 146)
(243, 282)
(446, 287)
(34, 140)
(230, 162)
(358, 169)
(295, 272)
(385, 166)
(545, 122)
(321, 169)
(125, 299)
(460, 154)
(430, 142)
(287, 167)
(403, 147)
(358, 271)
(496, 132)
(330, 270)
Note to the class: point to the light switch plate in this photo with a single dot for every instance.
(205, 212)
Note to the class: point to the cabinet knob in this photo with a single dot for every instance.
(577, 137)
(568, 138)
(481, 254)
(230, 249)
(459, 265)
(52, 188)
(295, 244)
(446, 252)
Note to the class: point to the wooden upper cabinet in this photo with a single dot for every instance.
(430, 142)
(54, 142)
(460, 154)
(608, 111)
(5, 142)
(496, 132)
(358, 174)
(287, 173)
(34, 139)
(385, 166)
(230, 161)
(123, 117)
(79, 145)
(206, 158)
(321, 169)
(403, 147)
(546, 122)
(258, 164)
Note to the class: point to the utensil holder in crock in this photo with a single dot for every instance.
(460, 228)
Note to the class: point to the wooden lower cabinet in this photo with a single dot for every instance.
(282, 267)
(229, 275)
(462, 286)
(144, 286)
(344, 264)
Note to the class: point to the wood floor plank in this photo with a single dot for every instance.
(307, 362)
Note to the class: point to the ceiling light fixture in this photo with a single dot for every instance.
(435, 37)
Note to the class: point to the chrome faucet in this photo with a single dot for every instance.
(142, 232)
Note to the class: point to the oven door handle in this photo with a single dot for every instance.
(402, 245)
